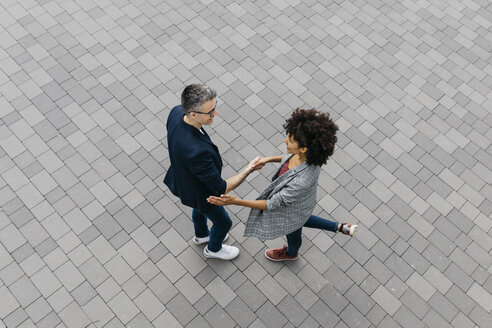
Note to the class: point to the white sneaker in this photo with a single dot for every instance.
(349, 229)
(226, 253)
(199, 241)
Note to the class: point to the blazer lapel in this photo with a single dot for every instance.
(202, 136)
(205, 137)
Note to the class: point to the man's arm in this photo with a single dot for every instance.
(236, 180)
(255, 164)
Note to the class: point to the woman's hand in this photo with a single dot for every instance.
(260, 163)
(222, 200)
(251, 165)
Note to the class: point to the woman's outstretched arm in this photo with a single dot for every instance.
(269, 159)
(233, 200)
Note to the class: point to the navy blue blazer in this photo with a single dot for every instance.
(196, 165)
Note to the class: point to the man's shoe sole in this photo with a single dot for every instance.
(194, 241)
(217, 257)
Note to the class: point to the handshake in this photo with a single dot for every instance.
(256, 164)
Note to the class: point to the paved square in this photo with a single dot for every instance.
(89, 233)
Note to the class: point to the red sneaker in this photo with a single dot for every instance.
(279, 254)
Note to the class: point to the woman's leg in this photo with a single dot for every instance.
(320, 223)
(294, 242)
(324, 224)
(294, 239)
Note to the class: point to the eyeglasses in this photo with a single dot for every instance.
(210, 113)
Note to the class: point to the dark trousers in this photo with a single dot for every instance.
(221, 224)
(294, 239)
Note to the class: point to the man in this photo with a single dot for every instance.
(196, 165)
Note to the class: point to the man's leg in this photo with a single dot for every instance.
(200, 223)
(221, 225)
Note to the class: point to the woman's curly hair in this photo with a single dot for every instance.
(314, 130)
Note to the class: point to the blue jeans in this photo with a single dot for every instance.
(221, 224)
(294, 239)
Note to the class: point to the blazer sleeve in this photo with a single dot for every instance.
(287, 195)
(204, 169)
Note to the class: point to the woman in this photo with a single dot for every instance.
(288, 202)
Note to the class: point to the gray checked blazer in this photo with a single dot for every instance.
(290, 201)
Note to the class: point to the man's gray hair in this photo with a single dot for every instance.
(194, 95)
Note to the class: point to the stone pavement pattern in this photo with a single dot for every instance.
(88, 232)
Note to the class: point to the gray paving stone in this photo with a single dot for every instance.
(127, 219)
(236, 280)
(480, 295)
(83, 293)
(432, 318)
(38, 309)
(480, 317)
(46, 282)
(292, 311)
(204, 304)
(223, 270)
(46, 247)
(181, 309)
(458, 277)
(148, 303)
(421, 286)
(251, 295)
(272, 289)
(123, 307)
(378, 270)
(323, 315)
(270, 315)
(415, 260)
(73, 315)
(352, 317)
(192, 290)
(69, 276)
(118, 269)
(162, 288)
(340, 257)
(97, 308)
(240, 313)
(357, 273)
(132, 254)
(462, 321)
(288, 280)
(415, 303)
(22, 253)
(24, 291)
(406, 318)
(359, 299)
(15, 318)
(443, 306)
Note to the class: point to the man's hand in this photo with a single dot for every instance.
(222, 200)
(236, 180)
(252, 165)
(260, 163)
